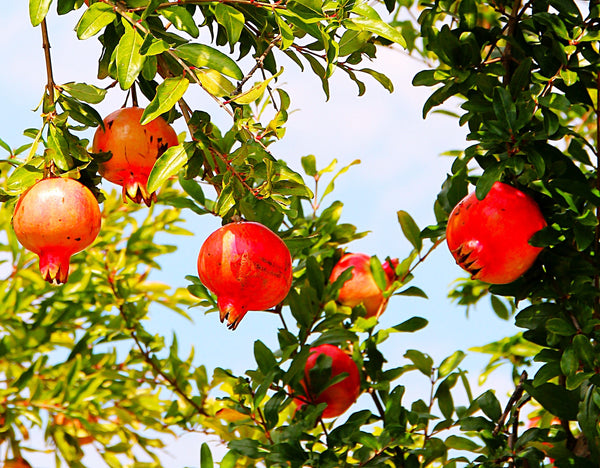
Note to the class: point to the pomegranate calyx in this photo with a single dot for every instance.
(54, 266)
(467, 257)
(231, 311)
(137, 192)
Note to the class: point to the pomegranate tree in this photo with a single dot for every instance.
(489, 238)
(339, 396)
(361, 287)
(135, 148)
(56, 218)
(247, 266)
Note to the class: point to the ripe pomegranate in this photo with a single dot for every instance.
(361, 287)
(135, 148)
(489, 238)
(247, 266)
(56, 218)
(339, 396)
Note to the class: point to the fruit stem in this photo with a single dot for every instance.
(54, 266)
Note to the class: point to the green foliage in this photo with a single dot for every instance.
(78, 363)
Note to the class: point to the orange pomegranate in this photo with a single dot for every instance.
(361, 287)
(489, 238)
(339, 396)
(56, 218)
(247, 266)
(135, 148)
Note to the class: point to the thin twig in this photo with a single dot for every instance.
(259, 63)
(46, 47)
(516, 396)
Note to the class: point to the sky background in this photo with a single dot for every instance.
(401, 169)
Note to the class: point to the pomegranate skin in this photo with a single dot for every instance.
(339, 396)
(247, 266)
(135, 148)
(361, 287)
(56, 218)
(489, 238)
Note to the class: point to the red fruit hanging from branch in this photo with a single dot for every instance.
(135, 148)
(361, 287)
(247, 266)
(339, 396)
(55, 219)
(489, 238)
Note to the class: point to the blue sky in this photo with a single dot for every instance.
(401, 169)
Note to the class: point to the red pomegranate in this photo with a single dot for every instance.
(339, 396)
(135, 148)
(247, 266)
(361, 287)
(489, 238)
(56, 218)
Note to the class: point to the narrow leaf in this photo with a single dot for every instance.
(167, 94)
(200, 55)
(169, 164)
(410, 229)
(38, 9)
(129, 60)
(95, 18)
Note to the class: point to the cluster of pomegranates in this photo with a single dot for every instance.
(245, 264)
(58, 217)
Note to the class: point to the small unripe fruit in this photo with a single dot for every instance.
(247, 266)
(135, 148)
(361, 287)
(339, 396)
(489, 238)
(56, 218)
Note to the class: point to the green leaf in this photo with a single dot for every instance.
(499, 307)
(490, 405)
(505, 108)
(309, 164)
(264, 357)
(94, 19)
(585, 350)
(352, 41)
(422, 361)
(411, 325)
(378, 273)
(38, 9)
(85, 92)
(231, 19)
(410, 230)
(200, 55)
(215, 83)
(380, 77)
(377, 26)
(461, 443)
(450, 363)
(206, 459)
(168, 93)
(412, 291)
(129, 60)
(169, 164)
(182, 19)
